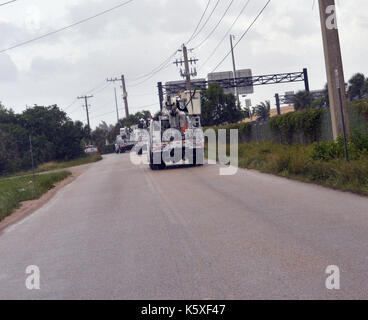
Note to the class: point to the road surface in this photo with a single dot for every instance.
(121, 231)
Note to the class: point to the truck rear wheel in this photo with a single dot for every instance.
(153, 166)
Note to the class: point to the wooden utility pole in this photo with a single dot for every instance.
(125, 93)
(187, 71)
(117, 106)
(334, 67)
(160, 94)
(86, 105)
(125, 96)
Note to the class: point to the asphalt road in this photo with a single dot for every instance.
(124, 232)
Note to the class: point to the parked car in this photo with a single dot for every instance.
(90, 149)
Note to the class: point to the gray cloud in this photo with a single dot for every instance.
(9, 72)
(136, 38)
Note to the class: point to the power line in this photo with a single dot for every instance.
(227, 33)
(110, 112)
(208, 19)
(121, 109)
(167, 62)
(8, 2)
(216, 26)
(71, 104)
(102, 84)
(102, 89)
(243, 35)
(155, 70)
(200, 21)
(65, 28)
(143, 94)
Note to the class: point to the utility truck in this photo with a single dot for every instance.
(125, 140)
(177, 136)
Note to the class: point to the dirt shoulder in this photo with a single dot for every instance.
(29, 207)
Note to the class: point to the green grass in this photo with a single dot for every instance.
(14, 191)
(57, 165)
(296, 162)
(68, 164)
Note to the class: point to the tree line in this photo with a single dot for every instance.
(53, 134)
(356, 88)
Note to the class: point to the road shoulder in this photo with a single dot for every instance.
(29, 207)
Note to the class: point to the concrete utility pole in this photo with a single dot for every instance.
(234, 68)
(117, 107)
(334, 67)
(125, 93)
(86, 105)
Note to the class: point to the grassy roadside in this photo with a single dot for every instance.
(14, 191)
(299, 163)
(68, 164)
(57, 165)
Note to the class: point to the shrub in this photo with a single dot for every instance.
(306, 121)
(327, 151)
(295, 162)
(244, 130)
(361, 106)
(359, 140)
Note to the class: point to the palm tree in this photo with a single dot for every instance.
(302, 100)
(247, 112)
(357, 86)
(262, 110)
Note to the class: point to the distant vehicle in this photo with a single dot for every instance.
(125, 140)
(140, 136)
(91, 149)
(119, 144)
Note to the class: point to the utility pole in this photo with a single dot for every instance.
(334, 67)
(117, 107)
(160, 94)
(125, 93)
(86, 105)
(186, 64)
(234, 69)
(188, 72)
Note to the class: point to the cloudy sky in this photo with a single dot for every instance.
(136, 38)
